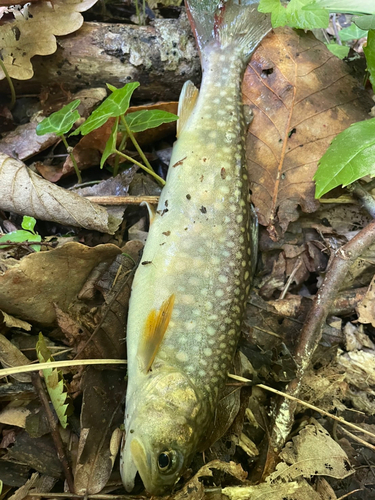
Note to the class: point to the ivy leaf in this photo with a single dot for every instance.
(61, 122)
(365, 22)
(352, 6)
(295, 15)
(352, 33)
(340, 51)
(350, 156)
(110, 144)
(115, 105)
(28, 223)
(369, 51)
(148, 118)
(54, 381)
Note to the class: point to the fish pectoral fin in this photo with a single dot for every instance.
(188, 97)
(156, 325)
(151, 210)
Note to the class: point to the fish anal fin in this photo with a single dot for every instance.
(155, 327)
(188, 97)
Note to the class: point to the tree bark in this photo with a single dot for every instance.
(161, 57)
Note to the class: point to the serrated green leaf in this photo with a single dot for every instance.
(369, 51)
(54, 382)
(61, 122)
(110, 145)
(113, 106)
(352, 33)
(278, 12)
(28, 223)
(347, 6)
(339, 51)
(148, 118)
(350, 157)
(295, 15)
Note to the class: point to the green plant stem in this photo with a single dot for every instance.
(151, 172)
(136, 145)
(117, 159)
(10, 83)
(72, 158)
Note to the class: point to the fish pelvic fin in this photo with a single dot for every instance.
(188, 98)
(228, 22)
(156, 325)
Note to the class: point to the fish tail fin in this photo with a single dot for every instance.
(236, 23)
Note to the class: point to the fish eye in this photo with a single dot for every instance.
(164, 461)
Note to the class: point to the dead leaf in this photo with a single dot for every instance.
(30, 287)
(312, 453)
(366, 308)
(295, 490)
(302, 97)
(33, 33)
(101, 415)
(25, 193)
(11, 356)
(14, 415)
(12, 322)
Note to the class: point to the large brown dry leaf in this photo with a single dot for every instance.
(101, 417)
(25, 193)
(11, 356)
(33, 32)
(301, 96)
(312, 453)
(31, 286)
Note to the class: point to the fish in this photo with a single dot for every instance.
(189, 293)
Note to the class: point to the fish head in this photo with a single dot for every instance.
(162, 435)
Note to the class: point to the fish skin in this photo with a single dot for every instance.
(199, 250)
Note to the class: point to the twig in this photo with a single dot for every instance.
(350, 493)
(10, 83)
(358, 439)
(53, 425)
(123, 200)
(364, 196)
(97, 496)
(26, 244)
(311, 335)
(5, 372)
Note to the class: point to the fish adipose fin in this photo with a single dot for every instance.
(188, 98)
(236, 22)
(156, 325)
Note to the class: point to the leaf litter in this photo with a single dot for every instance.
(88, 317)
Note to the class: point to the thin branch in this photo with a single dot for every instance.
(123, 200)
(311, 334)
(53, 425)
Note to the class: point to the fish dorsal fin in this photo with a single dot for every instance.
(151, 210)
(156, 325)
(188, 97)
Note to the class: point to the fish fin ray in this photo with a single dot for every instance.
(188, 98)
(156, 325)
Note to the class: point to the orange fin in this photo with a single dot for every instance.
(156, 325)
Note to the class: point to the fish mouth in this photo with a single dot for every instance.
(140, 461)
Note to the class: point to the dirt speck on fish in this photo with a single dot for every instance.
(186, 308)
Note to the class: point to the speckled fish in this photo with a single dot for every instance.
(189, 292)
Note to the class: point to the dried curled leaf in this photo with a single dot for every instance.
(33, 33)
(54, 382)
(24, 192)
(302, 96)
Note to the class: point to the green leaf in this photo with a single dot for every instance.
(347, 6)
(369, 51)
(339, 51)
(20, 236)
(295, 15)
(115, 105)
(365, 22)
(278, 12)
(61, 122)
(352, 33)
(148, 118)
(28, 223)
(350, 157)
(54, 382)
(110, 146)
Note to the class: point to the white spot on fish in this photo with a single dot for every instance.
(207, 351)
(182, 356)
(190, 325)
(223, 279)
(208, 306)
(211, 330)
